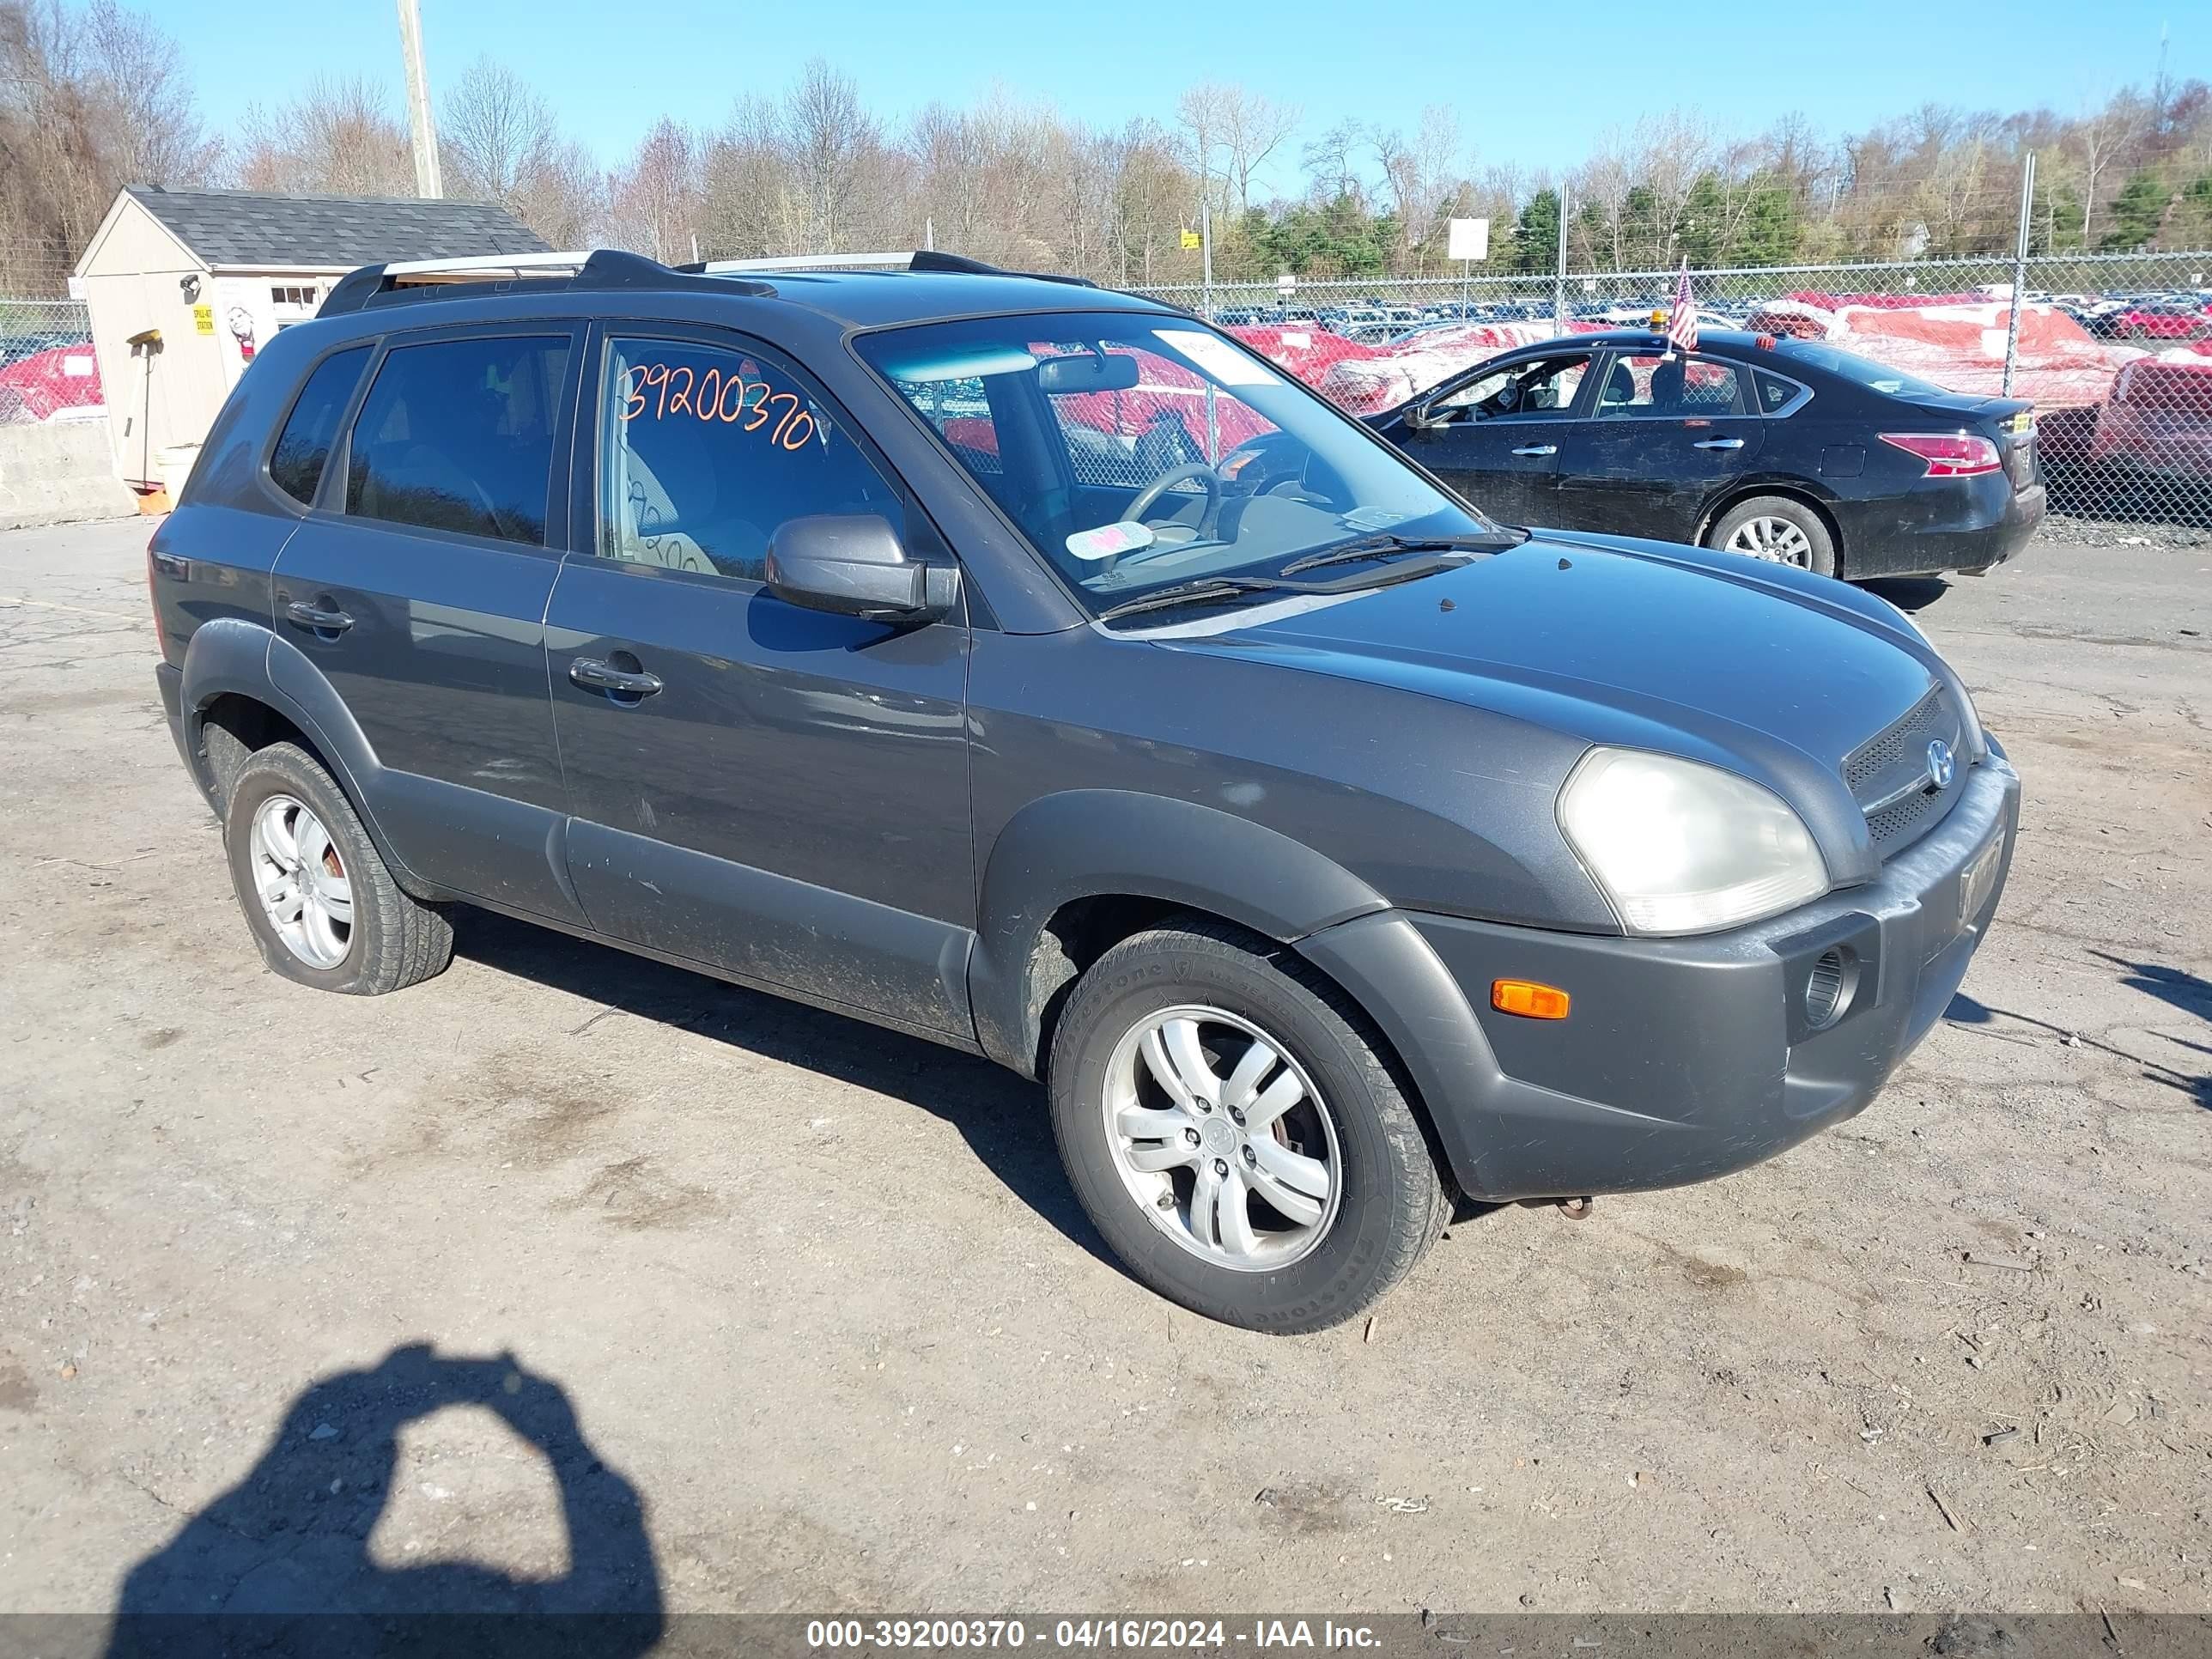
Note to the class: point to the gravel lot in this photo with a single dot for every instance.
(834, 1334)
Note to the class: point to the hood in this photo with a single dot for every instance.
(1772, 673)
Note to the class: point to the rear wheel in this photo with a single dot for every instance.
(317, 896)
(1778, 530)
(1231, 1128)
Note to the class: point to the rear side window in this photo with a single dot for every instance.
(706, 453)
(1668, 388)
(458, 435)
(303, 447)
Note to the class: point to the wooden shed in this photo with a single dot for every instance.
(218, 271)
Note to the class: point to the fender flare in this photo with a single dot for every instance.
(231, 656)
(1095, 843)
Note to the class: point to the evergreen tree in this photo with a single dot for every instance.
(2137, 212)
(1536, 232)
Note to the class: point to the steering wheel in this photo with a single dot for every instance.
(1149, 496)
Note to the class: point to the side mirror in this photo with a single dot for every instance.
(853, 565)
(1425, 416)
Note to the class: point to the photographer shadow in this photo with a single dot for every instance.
(282, 1560)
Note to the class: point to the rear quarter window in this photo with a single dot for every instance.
(303, 447)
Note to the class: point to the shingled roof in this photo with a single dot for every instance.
(230, 227)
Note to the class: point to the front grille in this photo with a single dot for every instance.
(1882, 771)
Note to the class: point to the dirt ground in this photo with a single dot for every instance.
(802, 1316)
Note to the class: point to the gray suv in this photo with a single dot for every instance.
(1033, 668)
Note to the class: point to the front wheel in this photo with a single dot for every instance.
(1778, 530)
(1231, 1128)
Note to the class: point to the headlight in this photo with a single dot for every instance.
(1682, 848)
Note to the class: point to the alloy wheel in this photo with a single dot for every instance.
(1776, 540)
(304, 890)
(1222, 1139)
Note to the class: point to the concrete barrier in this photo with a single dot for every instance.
(58, 472)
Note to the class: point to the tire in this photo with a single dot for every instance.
(1811, 549)
(384, 939)
(1385, 1203)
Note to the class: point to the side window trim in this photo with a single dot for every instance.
(340, 436)
(586, 492)
(558, 513)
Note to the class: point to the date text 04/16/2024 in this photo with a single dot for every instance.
(1147, 1633)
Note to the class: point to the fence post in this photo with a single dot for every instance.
(2020, 266)
(1205, 258)
(1560, 279)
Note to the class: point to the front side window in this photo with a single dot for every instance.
(458, 435)
(1521, 389)
(303, 447)
(705, 452)
(1669, 388)
(1141, 450)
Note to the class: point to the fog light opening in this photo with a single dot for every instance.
(1828, 988)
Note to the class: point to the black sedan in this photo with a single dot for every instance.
(1784, 449)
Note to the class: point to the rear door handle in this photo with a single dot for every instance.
(322, 620)
(1718, 443)
(596, 676)
(1537, 449)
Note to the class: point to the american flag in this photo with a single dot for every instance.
(1682, 322)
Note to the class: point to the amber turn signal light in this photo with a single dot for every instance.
(1528, 999)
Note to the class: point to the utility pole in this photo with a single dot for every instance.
(420, 121)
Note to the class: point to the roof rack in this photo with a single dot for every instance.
(909, 260)
(500, 273)
(482, 264)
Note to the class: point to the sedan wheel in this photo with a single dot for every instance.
(1222, 1137)
(302, 884)
(1777, 540)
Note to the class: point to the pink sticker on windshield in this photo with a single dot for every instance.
(1109, 540)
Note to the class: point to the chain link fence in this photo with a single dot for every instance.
(47, 369)
(2114, 349)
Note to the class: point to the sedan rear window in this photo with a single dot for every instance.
(1860, 371)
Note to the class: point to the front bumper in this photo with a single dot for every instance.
(1682, 1059)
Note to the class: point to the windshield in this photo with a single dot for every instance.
(1138, 450)
(1862, 371)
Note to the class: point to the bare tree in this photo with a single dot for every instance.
(1253, 128)
(90, 100)
(500, 140)
(2101, 138)
(1202, 113)
(339, 137)
(654, 200)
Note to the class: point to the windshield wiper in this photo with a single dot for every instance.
(1385, 545)
(1205, 589)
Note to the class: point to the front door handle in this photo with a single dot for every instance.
(321, 618)
(594, 675)
(1537, 449)
(1718, 443)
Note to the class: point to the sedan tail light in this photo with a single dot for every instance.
(1948, 454)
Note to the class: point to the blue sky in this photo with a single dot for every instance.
(1533, 82)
